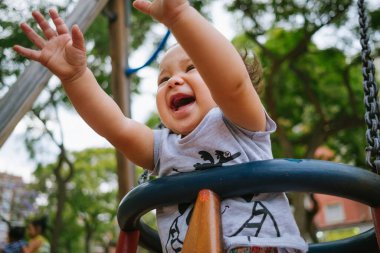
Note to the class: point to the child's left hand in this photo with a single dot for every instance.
(164, 11)
(64, 54)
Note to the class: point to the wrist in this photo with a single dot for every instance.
(180, 13)
(79, 74)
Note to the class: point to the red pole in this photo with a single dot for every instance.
(376, 223)
(128, 242)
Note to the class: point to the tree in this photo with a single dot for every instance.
(62, 169)
(91, 202)
(93, 193)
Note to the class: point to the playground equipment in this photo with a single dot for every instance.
(21, 96)
(262, 176)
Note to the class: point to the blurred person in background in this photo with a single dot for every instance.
(38, 243)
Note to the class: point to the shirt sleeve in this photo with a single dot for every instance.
(270, 127)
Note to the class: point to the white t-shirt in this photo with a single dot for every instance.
(255, 220)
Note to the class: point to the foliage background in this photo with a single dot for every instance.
(313, 93)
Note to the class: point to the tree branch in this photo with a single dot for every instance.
(310, 93)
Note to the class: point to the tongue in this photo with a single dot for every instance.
(182, 101)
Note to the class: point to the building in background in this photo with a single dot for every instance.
(339, 218)
(16, 203)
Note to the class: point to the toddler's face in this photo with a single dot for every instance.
(183, 99)
(31, 230)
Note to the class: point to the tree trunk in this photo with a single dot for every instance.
(62, 181)
(88, 237)
(298, 202)
(121, 86)
(61, 198)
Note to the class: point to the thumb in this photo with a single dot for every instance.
(78, 38)
(143, 6)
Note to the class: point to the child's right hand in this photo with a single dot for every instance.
(63, 54)
(164, 11)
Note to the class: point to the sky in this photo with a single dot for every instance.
(77, 134)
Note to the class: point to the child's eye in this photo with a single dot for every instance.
(162, 80)
(190, 67)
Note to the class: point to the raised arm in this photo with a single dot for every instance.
(219, 64)
(64, 55)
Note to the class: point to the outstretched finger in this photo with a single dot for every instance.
(45, 27)
(32, 35)
(58, 22)
(142, 5)
(78, 38)
(27, 52)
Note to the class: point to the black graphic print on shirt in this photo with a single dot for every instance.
(175, 239)
(260, 218)
(221, 156)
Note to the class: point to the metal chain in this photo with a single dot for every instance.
(370, 94)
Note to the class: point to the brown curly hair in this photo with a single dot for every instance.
(255, 70)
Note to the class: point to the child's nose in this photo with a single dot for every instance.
(175, 80)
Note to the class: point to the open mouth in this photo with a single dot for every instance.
(180, 100)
